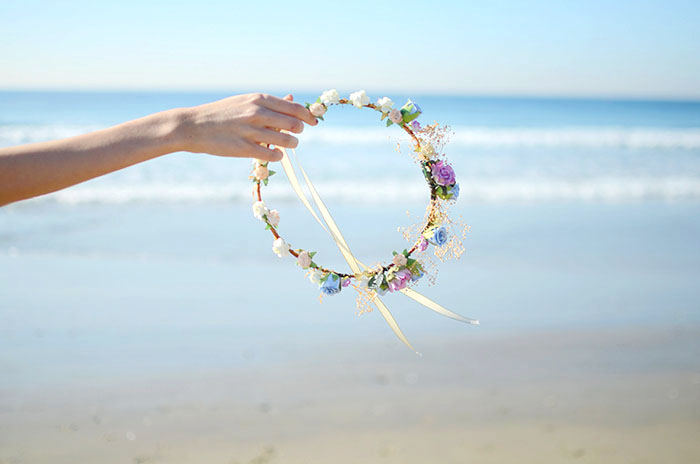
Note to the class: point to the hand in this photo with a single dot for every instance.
(243, 125)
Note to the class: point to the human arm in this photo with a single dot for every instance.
(238, 126)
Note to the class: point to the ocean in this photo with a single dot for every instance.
(583, 215)
(506, 149)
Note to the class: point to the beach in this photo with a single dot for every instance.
(144, 317)
(592, 397)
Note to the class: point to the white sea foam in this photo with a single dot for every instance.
(665, 176)
(19, 134)
(599, 189)
(583, 137)
(464, 136)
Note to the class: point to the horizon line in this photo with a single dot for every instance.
(304, 91)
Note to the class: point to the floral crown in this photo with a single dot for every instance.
(405, 268)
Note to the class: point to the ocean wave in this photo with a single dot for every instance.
(464, 136)
(514, 137)
(20, 134)
(394, 191)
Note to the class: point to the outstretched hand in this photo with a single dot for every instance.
(243, 126)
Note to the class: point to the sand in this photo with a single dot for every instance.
(600, 396)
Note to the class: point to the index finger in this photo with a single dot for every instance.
(290, 108)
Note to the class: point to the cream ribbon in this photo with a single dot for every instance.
(333, 230)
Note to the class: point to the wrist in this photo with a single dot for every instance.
(173, 129)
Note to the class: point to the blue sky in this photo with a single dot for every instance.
(584, 48)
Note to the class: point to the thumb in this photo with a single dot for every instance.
(289, 97)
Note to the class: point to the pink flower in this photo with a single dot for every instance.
(317, 109)
(443, 173)
(400, 280)
(261, 172)
(304, 260)
(396, 116)
(273, 217)
(346, 282)
(399, 260)
(423, 245)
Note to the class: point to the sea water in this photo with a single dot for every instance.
(585, 214)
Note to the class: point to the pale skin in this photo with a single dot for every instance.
(239, 126)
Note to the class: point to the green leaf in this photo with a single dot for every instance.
(271, 173)
(320, 117)
(394, 253)
(410, 262)
(312, 254)
(265, 182)
(388, 122)
(405, 252)
(268, 227)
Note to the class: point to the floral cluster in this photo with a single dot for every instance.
(261, 172)
(404, 269)
(441, 178)
(404, 115)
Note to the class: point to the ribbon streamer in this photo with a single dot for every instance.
(331, 227)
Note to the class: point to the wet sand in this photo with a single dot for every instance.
(598, 396)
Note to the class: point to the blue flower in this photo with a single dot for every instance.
(437, 235)
(454, 191)
(417, 276)
(410, 111)
(332, 285)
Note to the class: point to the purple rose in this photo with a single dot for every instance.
(415, 125)
(400, 280)
(423, 245)
(443, 173)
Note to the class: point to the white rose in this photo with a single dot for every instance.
(261, 172)
(280, 247)
(304, 260)
(396, 116)
(317, 109)
(259, 210)
(273, 217)
(359, 98)
(399, 260)
(427, 150)
(315, 276)
(385, 104)
(330, 97)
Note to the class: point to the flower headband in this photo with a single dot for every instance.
(405, 268)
